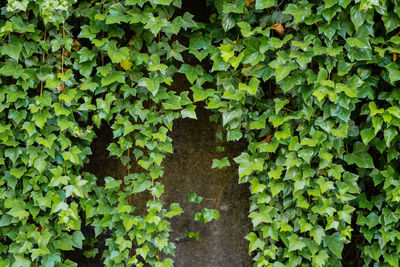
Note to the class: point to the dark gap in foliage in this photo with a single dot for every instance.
(351, 255)
(198, 9)
(100, 160)
(92, 248)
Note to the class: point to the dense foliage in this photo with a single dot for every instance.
(310, 85)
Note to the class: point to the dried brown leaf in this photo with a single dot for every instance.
(278, 28)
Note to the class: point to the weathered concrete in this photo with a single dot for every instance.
(221, 243)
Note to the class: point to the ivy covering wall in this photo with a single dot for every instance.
(310, 85)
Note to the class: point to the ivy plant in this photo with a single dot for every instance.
(311, 86)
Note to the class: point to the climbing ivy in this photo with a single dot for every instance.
(310, 85)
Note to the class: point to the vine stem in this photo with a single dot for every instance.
(62, 62)
(41, 82)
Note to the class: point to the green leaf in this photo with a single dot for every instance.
(226, 52)
(116, 76)
(391, 21)
(358, 42)
(334, 244)
(18, 211)
(117, 54)
(395, 111)
(141, 184)
(248, 164)
(374, 109)
(317, 233)
(40, 163)
(283, 70)
(191, 72)
(207, 215)
(295, 243)
(13, 48)
(18, 172)
(367, 135)
(230, 115)
(77, 238)
(361, 159)
(357, 17)
(330, 3)
(389, 134)
(174, 210)
(192, 197)
(252, 87)
(260, 123)
(394, 73)
(224, 162)
(276, 187)
(255, 242)
(189, 112)
(261, 4)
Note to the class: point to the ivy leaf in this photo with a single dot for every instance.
(391, 21)
(361, 159)
(283, 70)
(226, 52)
(357, 17)
(189, 112)
(191, 72)
(248, 164)
(207, 215)
(117, 54)
(174, 210)
(224, 162)
(374, 109)
(295, 243)
(367, 135)
(12, 68)
(317, 234)
(40, 163)
(334, 244)
(18, 172)
(199, 94)
(141, 184)
(230, 115)
(116, 76)
(358, 42)
(389, 134)
(126, 64)
(77, 238)
(255, 242)
(176, 50)
(330, 3)
(18, 211)
(252, 87)
(276, 187)
(395, 111)
(261, 4)
(394, 73)
(13, 48)
(192, 197)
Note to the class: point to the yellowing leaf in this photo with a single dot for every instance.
(126, 64)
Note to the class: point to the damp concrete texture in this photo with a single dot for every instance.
(221, 243)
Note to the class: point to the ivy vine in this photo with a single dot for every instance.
(310, 85)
